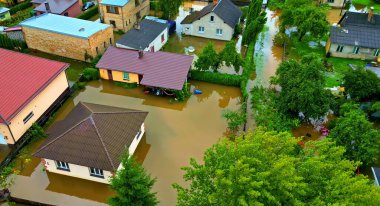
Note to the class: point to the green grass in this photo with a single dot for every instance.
(333, 79)
(367, 3)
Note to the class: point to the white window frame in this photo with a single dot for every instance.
(376, 52)
(201, 29)
(219, 32)
(95, 172)
(356, 50)
(62, 165)
(339, 48)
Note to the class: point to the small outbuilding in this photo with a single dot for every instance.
(4, 14)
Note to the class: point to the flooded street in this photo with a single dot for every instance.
(175, 132)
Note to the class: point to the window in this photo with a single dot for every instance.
(126, 23)
(62, 165)
(97, 50)
(355, 50)
(27, 118)
(112, 10)
(330, 1)
(2, 16)
(339, 48)
(111, 41)
(212, 18)
(125, 76)
(163, 38)
(66, 14)
(201, 29)
(104, 44)
(113, 23)
(138, 15)
(138, 135)
(376, 52)
(95, 172)
(219, 32)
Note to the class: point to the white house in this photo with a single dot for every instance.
(148, 35)
(90, 141)
(215, 21)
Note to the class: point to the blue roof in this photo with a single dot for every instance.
(114, 2)
(3, 10)
(64, 25)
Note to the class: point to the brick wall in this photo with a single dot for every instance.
(67, 46)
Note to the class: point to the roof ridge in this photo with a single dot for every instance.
(216, 5)
(84, 104)
(101, 140)
(121, 112)
(56, 138)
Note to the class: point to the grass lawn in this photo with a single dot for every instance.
(368, 3)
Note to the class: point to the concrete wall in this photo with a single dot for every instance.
(156, 43)
(127, 14)
(76, 171)
(347, 52)
(118, 76)
(67, 46)
(210, 28)
(335, 3)
(38, 106)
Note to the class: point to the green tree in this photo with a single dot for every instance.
(269, 168)
(234, 119)
(208, 59)
(306, 17)
(253, 29)
(231, 57)
(302, 87)
(354, 132)
(361, 83)
(132, 185)
(169, 8)
(254, 10)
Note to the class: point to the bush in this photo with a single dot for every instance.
(90, 74)
(19, 7)
(125, 85)
(216, 78)
(89, 13)
(280, 39)
(96, 60)
(79, 85)
(7, 43)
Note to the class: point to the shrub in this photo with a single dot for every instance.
(20, 6)
(182, 95)
(125, 85)
(89, 13)
(96, 60)
(17, 18)
(90, 74)
(79, 85)
(216, 78)
(280, 39)
(7, 43)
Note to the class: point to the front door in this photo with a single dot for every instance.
(110, 74)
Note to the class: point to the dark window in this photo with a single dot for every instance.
(355, 50)
(111, 41)
(97, 50)
(211, 18)
(163, 38)
(113, 23)
(112, 10)
(66, 14)
(104, 44)
(27, 118)
(376, 52)
(126, 23)
(95, 172)
(339, 48)
(62, 165)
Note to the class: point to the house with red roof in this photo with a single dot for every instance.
(70, 8)
(152, 69)
(29, 88)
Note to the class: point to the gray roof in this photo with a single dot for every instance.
(56, 6)
(93, 135)
(3, 10)
(141, 38)
(225, 9)
(356, 30)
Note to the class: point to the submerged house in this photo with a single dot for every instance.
(148, 35)
(68, 37)
(357, 36)
(70, 8)
(152, 69)
(90, 141)
(30, 87)
(215, 21)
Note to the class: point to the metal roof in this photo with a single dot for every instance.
(141, 38)
(3, 10)
(22, 78)
(64, 25)
(159, 69)
(56, 7)
(114, 2)
(93, 135)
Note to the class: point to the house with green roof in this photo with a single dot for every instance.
(68, 37)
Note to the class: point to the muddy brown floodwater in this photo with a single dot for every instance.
(175, 132)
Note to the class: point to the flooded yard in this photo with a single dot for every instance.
(175, 132)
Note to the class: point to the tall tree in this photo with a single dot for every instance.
(305, 16)
(231, 57)
(361, 83)
(253, 29)
(269, 168)
(208, 59)
(254, 10)
(354, 132)
(169, 8)
(132, 185)
(302, 87)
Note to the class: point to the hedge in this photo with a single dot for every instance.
(90, 74)
(19, 7)
(7, 43)
(89, 13)
(216, 78)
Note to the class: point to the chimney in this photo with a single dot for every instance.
(216, 2)
(47, 6)
(370, 15)
(141, 54)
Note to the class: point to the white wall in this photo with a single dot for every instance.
(210, 28)
(347, 52)
(136, 141)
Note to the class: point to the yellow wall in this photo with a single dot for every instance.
(38, 105)
(118, 76)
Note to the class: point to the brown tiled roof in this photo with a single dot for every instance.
(93, 135)
(198, 14)
(159, 69)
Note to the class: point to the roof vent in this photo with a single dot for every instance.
(81, 29)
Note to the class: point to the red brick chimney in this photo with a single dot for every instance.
(141, 54)
(216, 2)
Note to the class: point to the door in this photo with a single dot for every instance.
(110, 75)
